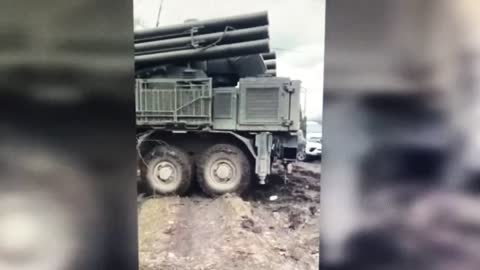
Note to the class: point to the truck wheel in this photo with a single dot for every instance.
(223, 168)
(168, 170)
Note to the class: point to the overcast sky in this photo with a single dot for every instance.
(296, 33)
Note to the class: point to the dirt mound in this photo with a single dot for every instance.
(225, 233)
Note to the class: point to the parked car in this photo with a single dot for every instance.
(313, 144)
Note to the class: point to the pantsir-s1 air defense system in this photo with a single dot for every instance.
(210, 106)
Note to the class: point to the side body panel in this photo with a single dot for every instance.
(225, 108)
(265, 104)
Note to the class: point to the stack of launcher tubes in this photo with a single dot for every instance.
(210, 42)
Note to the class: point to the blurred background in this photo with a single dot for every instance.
(67, 136)
(400, 177)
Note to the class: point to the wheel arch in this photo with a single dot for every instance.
(151, 138)
(243, 142)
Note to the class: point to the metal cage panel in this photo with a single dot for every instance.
(174, 101)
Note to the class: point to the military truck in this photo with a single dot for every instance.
(210, 107)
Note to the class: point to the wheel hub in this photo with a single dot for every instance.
(165, 171)
(223, 171)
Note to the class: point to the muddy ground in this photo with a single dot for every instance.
(274, 227)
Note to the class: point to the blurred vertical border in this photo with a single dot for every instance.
(67, 135)
(401, 159)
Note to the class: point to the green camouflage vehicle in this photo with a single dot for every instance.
(210, 106)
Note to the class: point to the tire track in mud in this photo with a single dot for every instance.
(198, 228)
(207, 234)
(156, 223)
(193, 234)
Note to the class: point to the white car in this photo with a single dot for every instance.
(313, 145)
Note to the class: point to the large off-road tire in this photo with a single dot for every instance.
(224, 168)
(168, 170)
